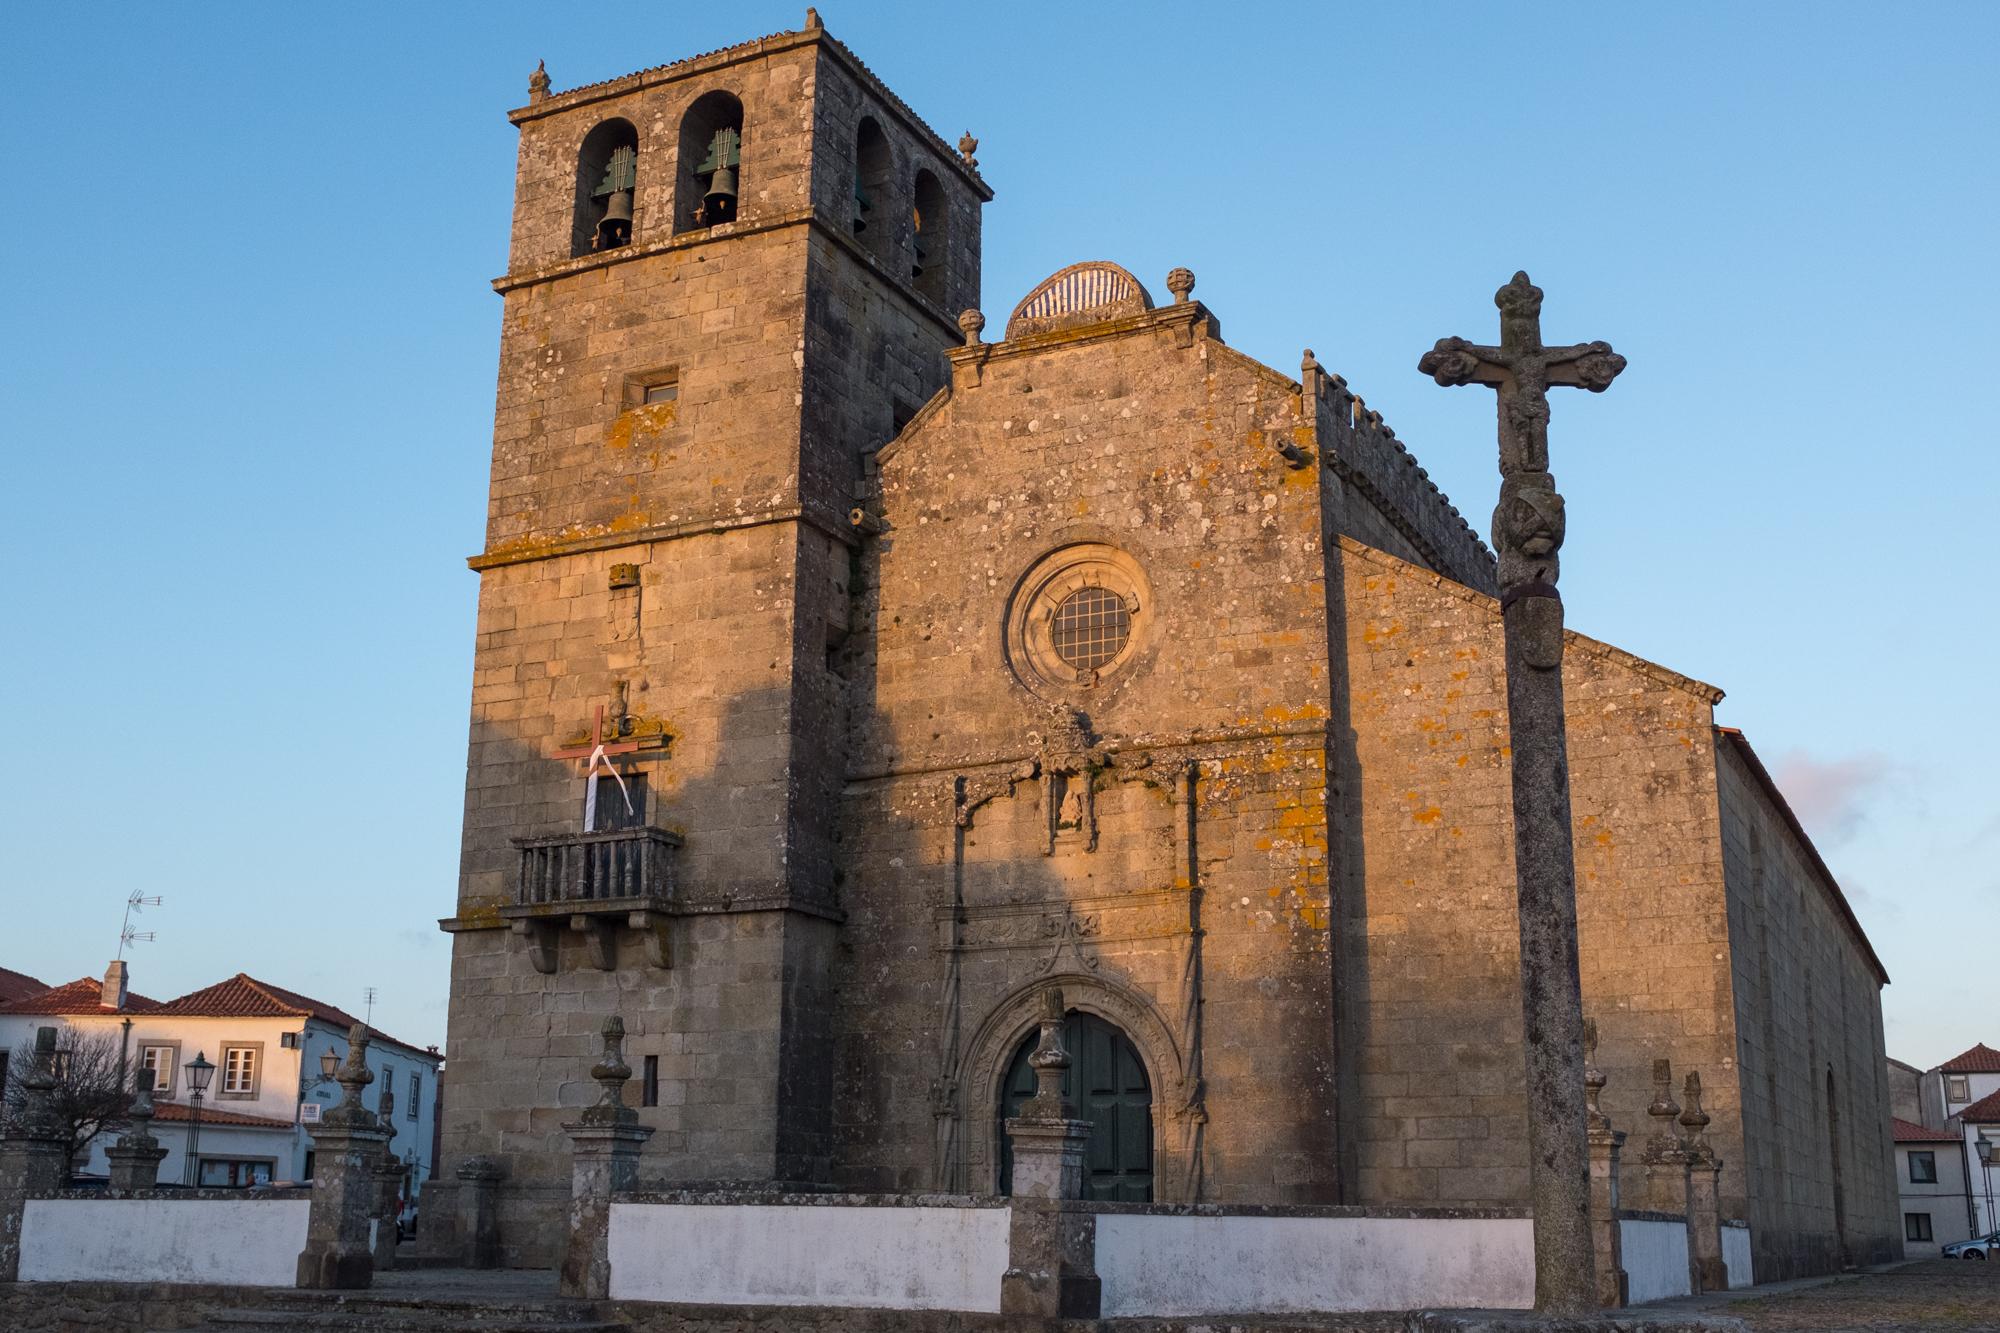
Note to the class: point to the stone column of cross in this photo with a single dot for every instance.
(1527, 534)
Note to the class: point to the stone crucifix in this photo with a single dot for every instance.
(1527, 534)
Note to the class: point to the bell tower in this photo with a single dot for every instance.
(705, 333)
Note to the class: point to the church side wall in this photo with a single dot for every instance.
(962, 900)
(1810, 1024)
(1428, 972)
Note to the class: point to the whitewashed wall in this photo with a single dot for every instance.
(1656, 1258)
(900, 1258)
(1736, 1254)
(1165, 1265)
(248, 1242)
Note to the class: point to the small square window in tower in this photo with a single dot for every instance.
(613, 801)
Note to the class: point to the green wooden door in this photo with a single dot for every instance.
(1108, 1087)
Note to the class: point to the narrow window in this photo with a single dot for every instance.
(158, 1062)
(416, 1094)
(708, 181)
(1916, 1226)
(607, 180)
(1957, 1088)
(1923, 1168)
(649, 1087)
(239, 1070)
(929, 218)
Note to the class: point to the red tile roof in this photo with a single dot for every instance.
(1985, 1111)
(243, 996)
(18, 985)
(83, 996)
(1981, 1059)
(1905, 1132)
(173, 1113)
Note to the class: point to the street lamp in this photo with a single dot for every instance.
(1985, 1148)
(199, 1072)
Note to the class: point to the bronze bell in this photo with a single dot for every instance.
(720, 200)
(615, 228)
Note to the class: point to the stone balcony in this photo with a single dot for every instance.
(595, 884)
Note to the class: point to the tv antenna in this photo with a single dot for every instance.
(127, 935)
(368, 994)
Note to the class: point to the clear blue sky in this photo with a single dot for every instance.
(248, 359)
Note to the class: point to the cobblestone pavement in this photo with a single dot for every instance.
(1935, 1296)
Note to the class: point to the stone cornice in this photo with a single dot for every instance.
(527, 549)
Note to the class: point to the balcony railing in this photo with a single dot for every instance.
(622, 868)
(597, 885)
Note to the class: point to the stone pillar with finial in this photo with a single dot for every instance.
(1052, 1242)
(347, 1150)
(34, 1153)
(606, 1141)
(1606, 1146)
(538, 83)
(1704, 1203)
(136, 1157)
(388, 1184)
(1666, 1162)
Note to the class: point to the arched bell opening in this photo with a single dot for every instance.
(874, 178)
(708, 179)
(607, 178)
(1108, 1085)
(931, 262)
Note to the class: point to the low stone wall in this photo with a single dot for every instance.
(842, 1251)
(1656, 1256)
(1736, 1254)
(1171, 1262)
(239, 1241)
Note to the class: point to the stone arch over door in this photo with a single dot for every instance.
(1001, 1033)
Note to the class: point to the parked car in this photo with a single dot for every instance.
(1975, 1248)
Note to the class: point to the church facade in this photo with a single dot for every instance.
(846, 677)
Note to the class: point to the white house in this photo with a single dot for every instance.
(1963, 1095)
(1935, 1186)
(267, 1051)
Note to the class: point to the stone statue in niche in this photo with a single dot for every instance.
(1069, 811)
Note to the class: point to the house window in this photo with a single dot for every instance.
(649, 1086)
(1923, 1168)
(1957, 1088)
(1916, 1226)
(416, 1093)
(239, 1071)
(160, 1062)
(289, 1040)
(234, 1173)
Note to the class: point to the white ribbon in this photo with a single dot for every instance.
(598, 756)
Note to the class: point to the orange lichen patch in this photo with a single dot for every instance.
(1464, 759)
(1462, 675)
(1083, 506)
(1379, 634)
(1604, 839)
(1430, 724)
(1299, 816)
(648, 420)
(1302, 713)
(628, 521)
(1430, 814)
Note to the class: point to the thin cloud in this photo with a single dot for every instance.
(1831, 796)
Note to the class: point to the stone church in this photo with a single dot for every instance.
(846, 675)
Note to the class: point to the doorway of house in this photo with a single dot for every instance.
(1107, 1084)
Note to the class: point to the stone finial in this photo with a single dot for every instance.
(1665, 1143)
(612, 1074)
(967, 146)
(38, 1086)
(1308, 362)
(354, 1076)
(1180, 282)
(135, 1158)
(538, 83)
(813, 23)
(971, 323)
(1593, 1079)
(1050, 1062)
(1694, 1120)
(385, 1111)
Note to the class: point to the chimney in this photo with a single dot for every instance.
(113, 994)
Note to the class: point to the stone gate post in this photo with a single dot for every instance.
(1666, 1161)
(1606, 1145)
(347, 1147)
(388, 1185)
(34, 1155)
(1052, 1235)
(1704, 1203)
(606, 1142)
(135, 1158)
(479, 1211)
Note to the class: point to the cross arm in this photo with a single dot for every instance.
(1455, 361)
(1589, 366)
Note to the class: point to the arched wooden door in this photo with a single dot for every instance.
(1108, 1085)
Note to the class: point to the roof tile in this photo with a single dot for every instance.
(1981, 1059)
(82, 996)
(1906, 1132)
(1985, 1111)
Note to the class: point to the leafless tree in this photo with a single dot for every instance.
(93, 1084)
